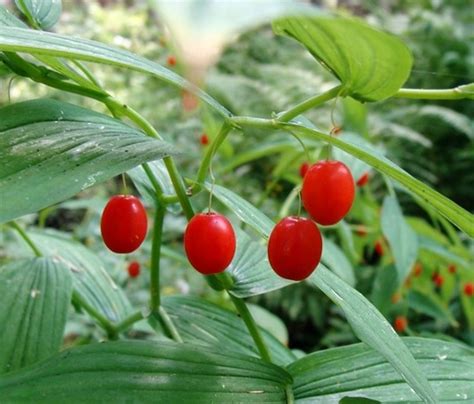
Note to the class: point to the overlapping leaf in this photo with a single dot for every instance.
(35, 297)
(45, 13)
(133, 371)
(52, 150)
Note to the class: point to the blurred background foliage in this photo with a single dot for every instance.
(259, 74)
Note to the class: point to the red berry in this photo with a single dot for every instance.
(400, 324)
(363, 180)
(133, 269)
(294, 248)
(438, 280)
(469, 289)
(361, 231)
(204, 139)
(123, 224)
(328, 191)
(209, 242)
(379, 248)
(171, 60)
(417, 269)
(452, 268)
(304, 169)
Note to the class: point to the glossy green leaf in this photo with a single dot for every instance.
(371, 66)
(35, 297)
(372, 328)
(15, 39)
(401, 237)
(334, 258)
(44, 13)
(138, 371)
(90, 278)
(52, 150)
(270, 322)
(383, 288)
(358, 371)
(446, 207)
(198, 321)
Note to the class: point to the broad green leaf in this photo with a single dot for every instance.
(372, 328)
(145, 187)
(446, 207)
(52, 150)
(384, 286)
(358, 371)
(334, 258)
(90, 278)
(198, 321)
(244, 210)
(371, 66)
(35, 297)
(436, 249)
(44, 13)
(401, 237)
(9, 20)
(270, 322)
(14, 39)
(139, 371)
(431, 305)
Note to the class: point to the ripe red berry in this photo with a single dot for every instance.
(328, 191)
(304, 169)
(294, 248)
(363, 180)
(133, 269)
(123, 224)
(438, 280)
(379, 248)
(204, 139)
(452, 268)
(171, 60)
(417, 269)
(400, 324)
(469, 289)
(209, 242)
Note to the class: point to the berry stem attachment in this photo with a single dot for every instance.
(251, 326)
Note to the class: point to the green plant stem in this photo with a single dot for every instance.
(168, 325)
(251, 326)
(204, 167)
(25, 237)
(155, 258)
(290, 397)
(445, 94)
(127, 322)
(312, 102)
(101, 319)
(31, 21)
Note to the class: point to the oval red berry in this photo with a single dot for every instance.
(469, 289)
(294, 248)
(123, 224)
(328, 191)
(400, 324)
(133, 269)
(204, 139)
(209, 242)
(304, 169)
(363, 180)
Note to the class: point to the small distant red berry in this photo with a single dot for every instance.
(133, 269)
(189, 101)
(209, 243)
(469, 289)
(294, 248)
(452, 268)
(363, 180)
(361, 231)
(417, 269)
(204, 139)
(400, 324)
(328, 191)
(123, 224)
(379, 248)
(171, 60)
(304, 169)
(438, 280)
